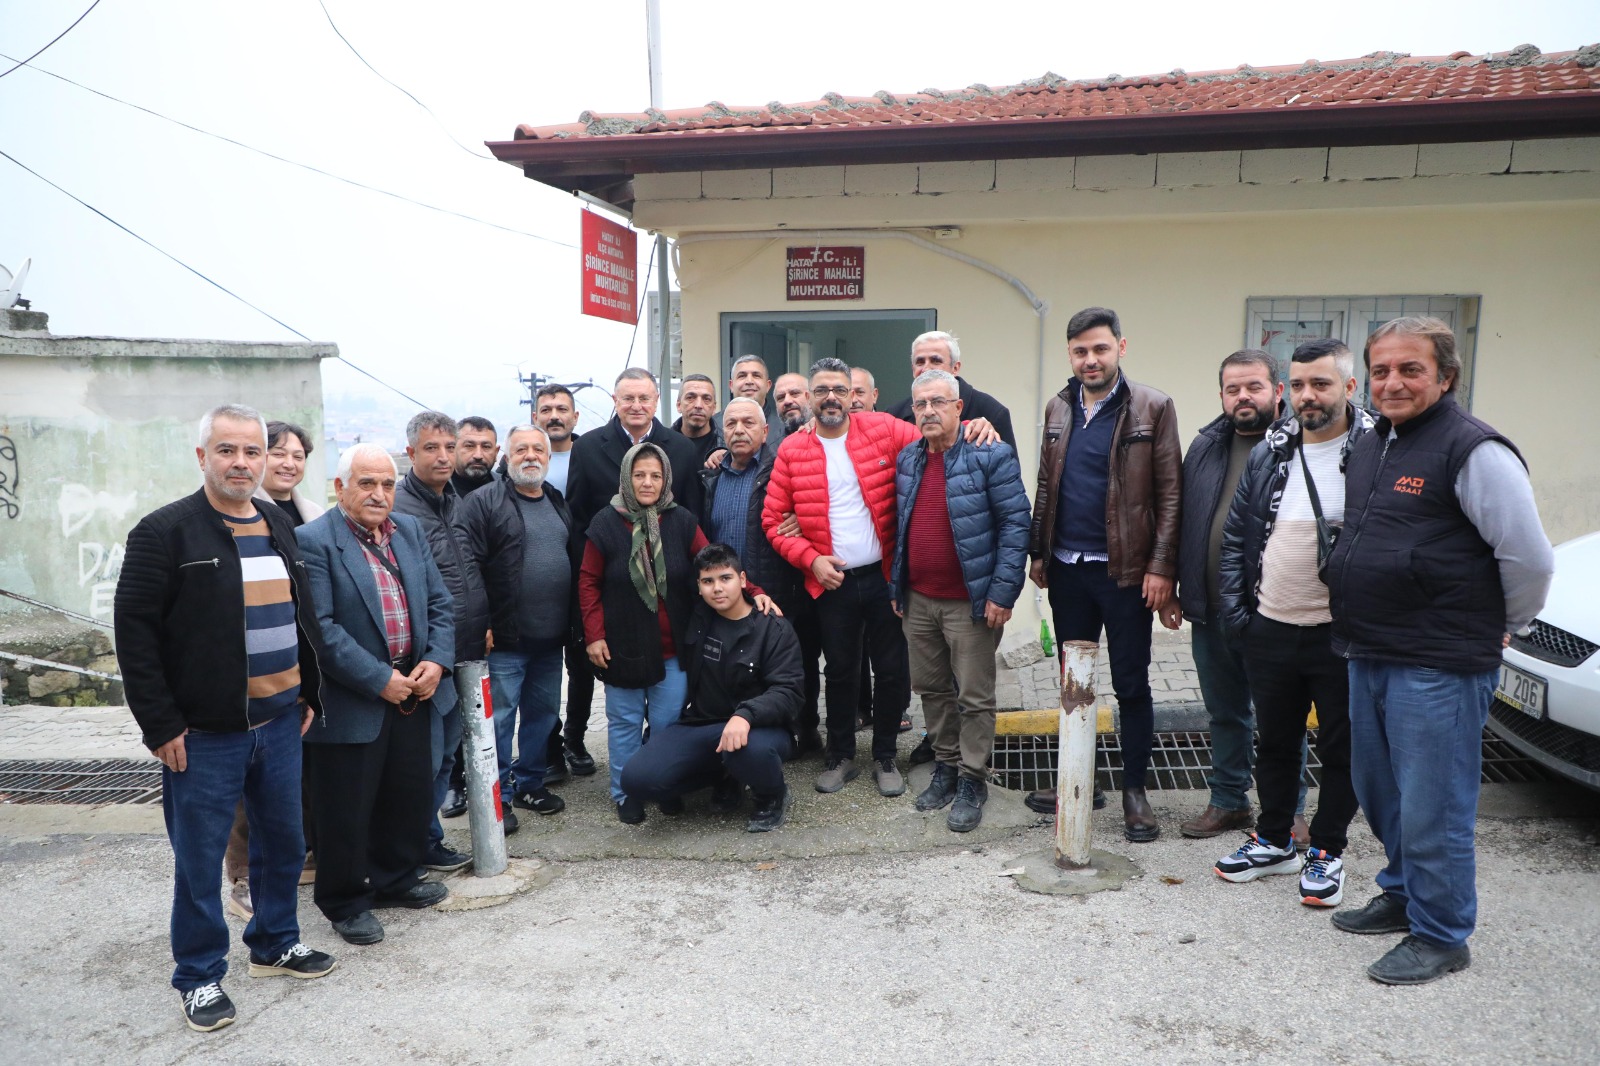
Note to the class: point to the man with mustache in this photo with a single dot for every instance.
(1251, 402)
(425, 493)
(697, 414)
(1104, 538)
(518, 534)
(792, 399)
(735, 490)
(961, 559)
(476, 450)
(388, 650)
(863, 390)
(1289, 504)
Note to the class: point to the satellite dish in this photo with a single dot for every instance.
(11, 295)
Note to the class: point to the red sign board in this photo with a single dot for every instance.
(827, 273)
(610, 269)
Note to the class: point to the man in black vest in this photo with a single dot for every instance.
(1442, 557)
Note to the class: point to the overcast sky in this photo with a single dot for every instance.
(447, 309)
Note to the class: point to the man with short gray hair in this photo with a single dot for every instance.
(217, 640)
(518, 535)
(597, 457)
(426, 494)
(938, 350)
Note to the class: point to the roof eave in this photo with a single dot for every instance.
(605, 166)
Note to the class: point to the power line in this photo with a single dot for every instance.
(282, 159)
(196, 273)
(369, 66)
(53, 40)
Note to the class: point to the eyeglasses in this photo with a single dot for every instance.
(822, 392)
(938, 403)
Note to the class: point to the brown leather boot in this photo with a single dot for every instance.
(1214, 821)
(1138, 820)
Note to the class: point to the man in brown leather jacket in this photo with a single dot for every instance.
(1104, 539)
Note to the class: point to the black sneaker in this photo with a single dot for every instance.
(299, 961)
(671, 806)
(770, 813)
(726, 796)
(363, 928)
(578, 758)
(630, 811)
(967, 812)
(941, 790)
(207, 1007)
(419, 896)
(1383, 913)
(508, 818)
(557, 773)
(540, 801)
(455, 803)
(923, 752)
(444, 858)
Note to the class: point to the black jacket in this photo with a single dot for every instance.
(632, 630)
(1255, 509)
(461, 576)
(1205, 465)
(491, 527)
(180, 626)
(763, 670)
(974, 404)
(763, 566)
(707, 444)
(596, 467)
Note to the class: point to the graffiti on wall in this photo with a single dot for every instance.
(99, 564)
(10, 477)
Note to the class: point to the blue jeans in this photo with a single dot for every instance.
(446, 739)
(1416, 760)
(1226, 692)
(625, 714)
(529, 681)
(263, 766)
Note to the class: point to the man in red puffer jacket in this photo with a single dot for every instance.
(838, 482)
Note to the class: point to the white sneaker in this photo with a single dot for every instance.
(1257, 858)
(1321, 879)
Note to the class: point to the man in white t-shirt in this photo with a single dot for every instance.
(1280, 528)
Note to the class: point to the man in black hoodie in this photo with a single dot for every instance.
(745, 687)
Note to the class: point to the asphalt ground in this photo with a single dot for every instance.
(908, 947)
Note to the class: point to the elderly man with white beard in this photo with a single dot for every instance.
(518, 532)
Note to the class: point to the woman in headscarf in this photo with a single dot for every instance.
(636, 590)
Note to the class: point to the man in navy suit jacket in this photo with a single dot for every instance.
(388, 647)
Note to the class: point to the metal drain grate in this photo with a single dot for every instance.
(1182, 760)
(85, 781)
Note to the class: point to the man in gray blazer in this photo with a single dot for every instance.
(388, 635)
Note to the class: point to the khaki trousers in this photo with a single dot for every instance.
(951, 651)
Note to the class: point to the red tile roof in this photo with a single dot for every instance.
(1374, 80)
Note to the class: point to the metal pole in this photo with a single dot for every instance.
(664, 302)
(482, 769)
(652, 29)
(1075, 757)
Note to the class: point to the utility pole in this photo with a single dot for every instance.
(652, 12)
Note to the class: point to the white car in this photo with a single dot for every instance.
(1547, 704)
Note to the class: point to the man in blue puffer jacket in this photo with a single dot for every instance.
(959, 562)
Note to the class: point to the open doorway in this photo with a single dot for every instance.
(877, 341)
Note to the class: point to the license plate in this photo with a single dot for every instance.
(1522, 691)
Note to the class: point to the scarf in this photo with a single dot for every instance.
(647, 566)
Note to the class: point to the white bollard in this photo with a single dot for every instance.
(482, 769)
(1075, 757)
